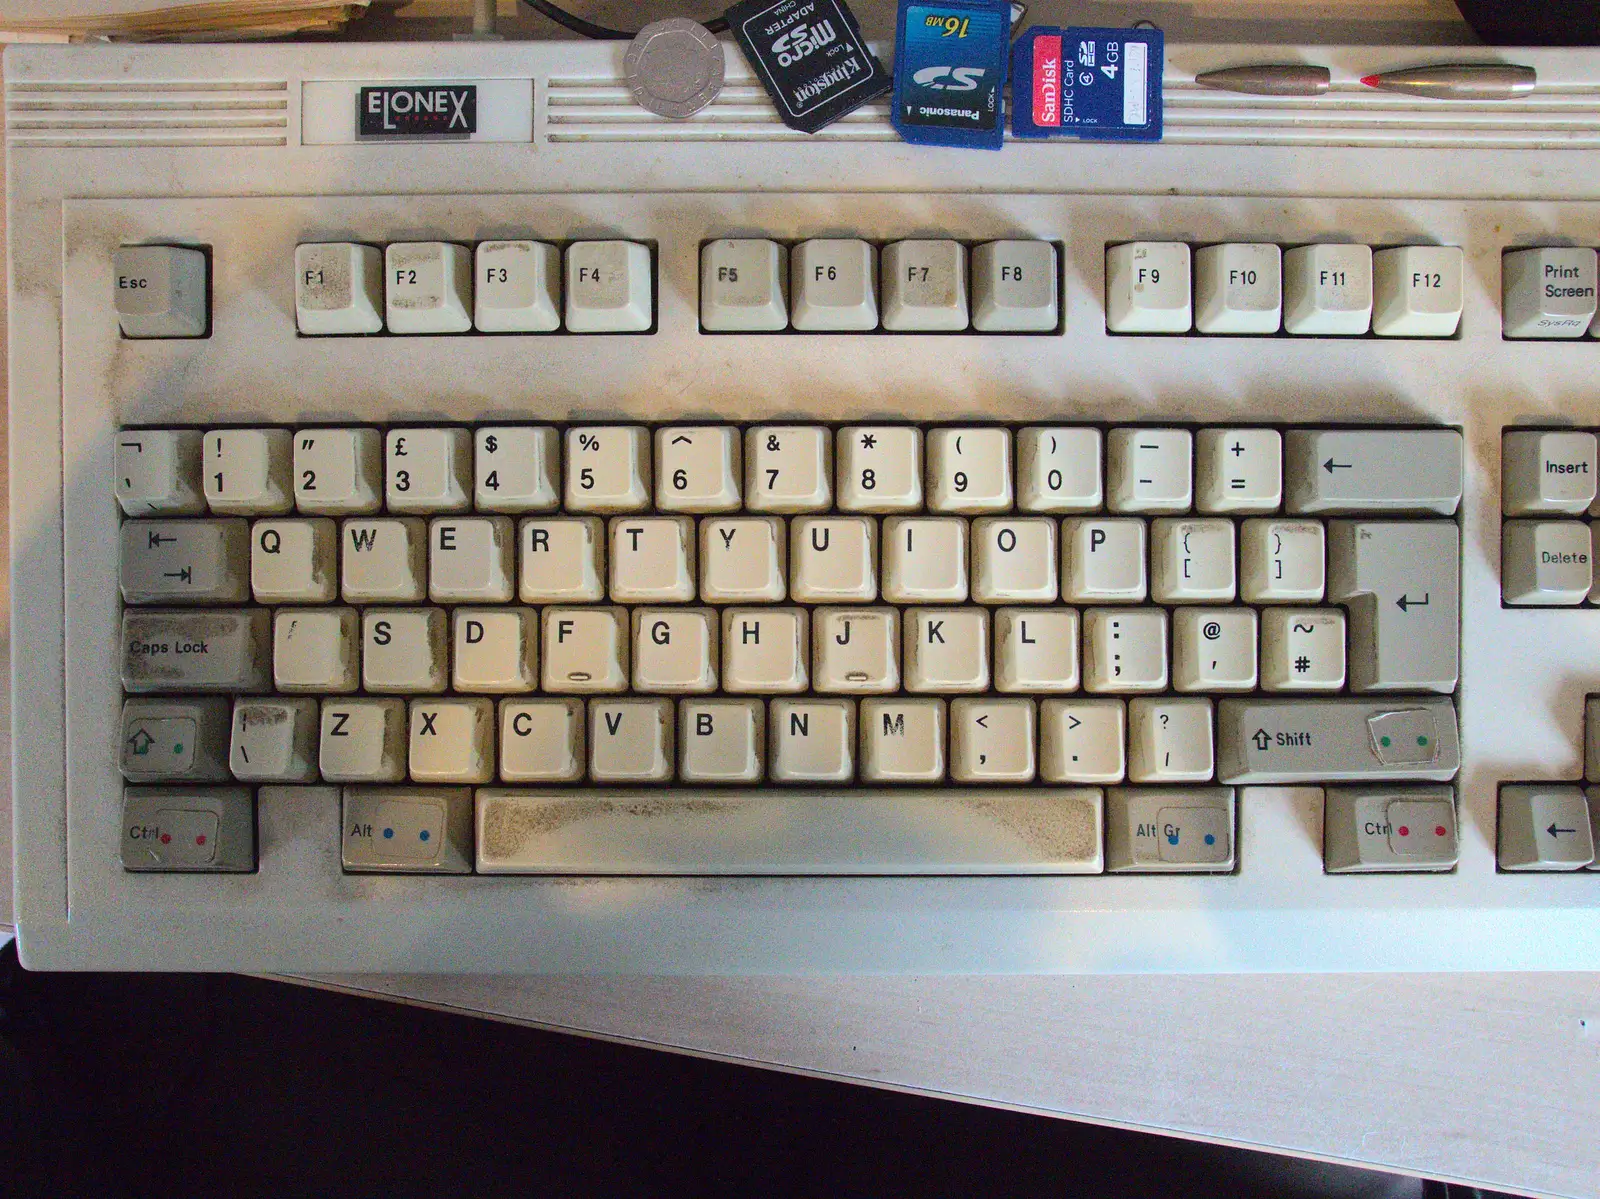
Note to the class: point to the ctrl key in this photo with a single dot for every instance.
(189, 829)
(407, 830)
(1369, 830)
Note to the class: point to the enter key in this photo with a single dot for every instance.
(1400, 581)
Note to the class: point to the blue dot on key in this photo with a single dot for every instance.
(388, 833)
(1211, 839)
(423, 834)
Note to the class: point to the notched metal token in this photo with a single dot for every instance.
(674, 67)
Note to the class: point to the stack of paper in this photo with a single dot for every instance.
(141, 20)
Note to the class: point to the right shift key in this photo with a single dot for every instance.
(1373, 470)
(1401, 581)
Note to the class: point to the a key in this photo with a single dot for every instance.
(563, 560)
(969, 470)
(1193, 561)
(607, 469)
(1544, 563)
(880, 468)
(1544, 826)
(1373, 470)
(428, 470)
(832, 285)
(631, 740)
(1169, 740)
(609, 289)
(1327, 290)
(1276, 741)
(1081, 740)
(185, 561)
(316, 650)
(338, 471)
(407, 830)
(1169, 830)
(1238, 470)
(189, 829)
(1149, 470)
(363, 741)
(452, 741)
(1147, 287)
(788, 468)
(515, 469)
(1302, 649)
(900, 830)
(1283, 561)
(924, 559)
(403, 650)
(383, 561)
(543, 741)
(494, 650)
(1015, 287)
(697, 468)
(1213, 649)
(1547, 472)
(992, 740)
(1238, 288)
(245, 472)
(833, 559)
(925, 286)
(675, 650)
(517, 287)
(1400, 582)
(584, 650)
(1102, 559)
(721, 740)
(1036, 649)
(427, 287)
(185, 650)
(652, 559)
(274, 739)
(1548, 291)
(1058, 469)
(902, 740)
(743, 560)
(744, 286)
(1014, 560)
(1124, 649)
(158, 472)
(765, 651)
(160, 291)
(946, 650)
(855, 650)
(471, 559)
(338, 289)
(178, 740)
(1380, 829)
(1417, 291)
(812, 741)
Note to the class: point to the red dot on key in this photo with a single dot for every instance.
(1405, 831)
(166, 838)
(200, 840)
(1439, 830)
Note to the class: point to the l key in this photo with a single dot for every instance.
(1400, 581)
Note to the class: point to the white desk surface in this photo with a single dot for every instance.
(1493, 1079)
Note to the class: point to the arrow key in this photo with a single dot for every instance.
(1544, 827)
(1400, 581)
(185, 561)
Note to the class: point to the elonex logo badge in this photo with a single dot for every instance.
(447, 111)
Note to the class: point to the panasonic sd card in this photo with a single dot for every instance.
(811, 58)
(1101, 84)
(950, 71)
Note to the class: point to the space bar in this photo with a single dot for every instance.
(839, 831)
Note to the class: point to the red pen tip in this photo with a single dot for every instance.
(1371, 80)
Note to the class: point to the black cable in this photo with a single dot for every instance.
(602, 33)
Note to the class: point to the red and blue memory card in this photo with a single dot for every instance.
(1100, 84)
(950, 72)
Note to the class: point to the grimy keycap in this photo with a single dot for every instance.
(216, 649)
(1316, 740)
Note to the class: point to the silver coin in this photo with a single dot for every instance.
(674, 67)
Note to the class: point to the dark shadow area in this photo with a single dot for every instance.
(125, 1085)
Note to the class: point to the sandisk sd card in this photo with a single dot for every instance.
(811, 58)
(950, 71)
(1100, 84)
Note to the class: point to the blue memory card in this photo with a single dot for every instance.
(950, 72)
(1101, 84)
